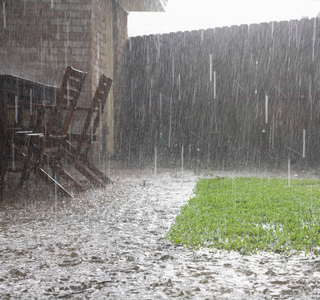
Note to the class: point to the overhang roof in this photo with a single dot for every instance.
(143, 5)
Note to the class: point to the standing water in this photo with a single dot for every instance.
(110, 244)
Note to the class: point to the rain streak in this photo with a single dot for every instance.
(104, 137)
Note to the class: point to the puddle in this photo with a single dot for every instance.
(109, 243)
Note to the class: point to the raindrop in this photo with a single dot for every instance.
(272, 138)
(45, 122)
(179, 85)
(310, 88)
(198, 159)
(314, 36)
(101, 135)
(194, 95)
(266, 103)
(58, 35)
(131, 90)
(239, 86)
(67, 33)
(150, 102)
(55, 188)
(303, 143)
(214, 85)
(172, 67)
(13, 159)
(16, 108)
(158, 47)
(297, 38)
(4, 15)
(310, 96)
(289, 172)
(51, 54)
(51, 3)
(68, 94)
(66, 52)
(155, 160)
(170, 123)
(55, 97)
(41, 53)
(210, 66)
(160, 108)
(66, 45)
(30, 102)
(98, 46)
(91, 130)
(182, 150)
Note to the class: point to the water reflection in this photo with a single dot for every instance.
(109, 243)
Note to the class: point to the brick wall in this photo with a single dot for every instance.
(99, 40)
(40, 38)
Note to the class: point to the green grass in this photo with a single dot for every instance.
(250, 215)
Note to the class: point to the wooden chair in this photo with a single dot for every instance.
(50, 140)
(44, 144)
(75, 154)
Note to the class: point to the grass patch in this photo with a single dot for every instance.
(250, 215)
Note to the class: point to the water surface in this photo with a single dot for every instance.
(110, 243)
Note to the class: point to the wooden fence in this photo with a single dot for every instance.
(246, 93)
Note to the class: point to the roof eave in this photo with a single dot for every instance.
(143, 5)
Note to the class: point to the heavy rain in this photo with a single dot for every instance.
(103, 138)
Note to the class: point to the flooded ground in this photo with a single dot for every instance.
(110, 244)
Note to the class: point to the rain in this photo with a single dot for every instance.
(103, 138)
(237, 95)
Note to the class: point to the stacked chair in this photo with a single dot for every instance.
(47, 142)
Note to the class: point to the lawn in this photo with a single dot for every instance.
(250, 215)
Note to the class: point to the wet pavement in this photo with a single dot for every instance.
(110, 244)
